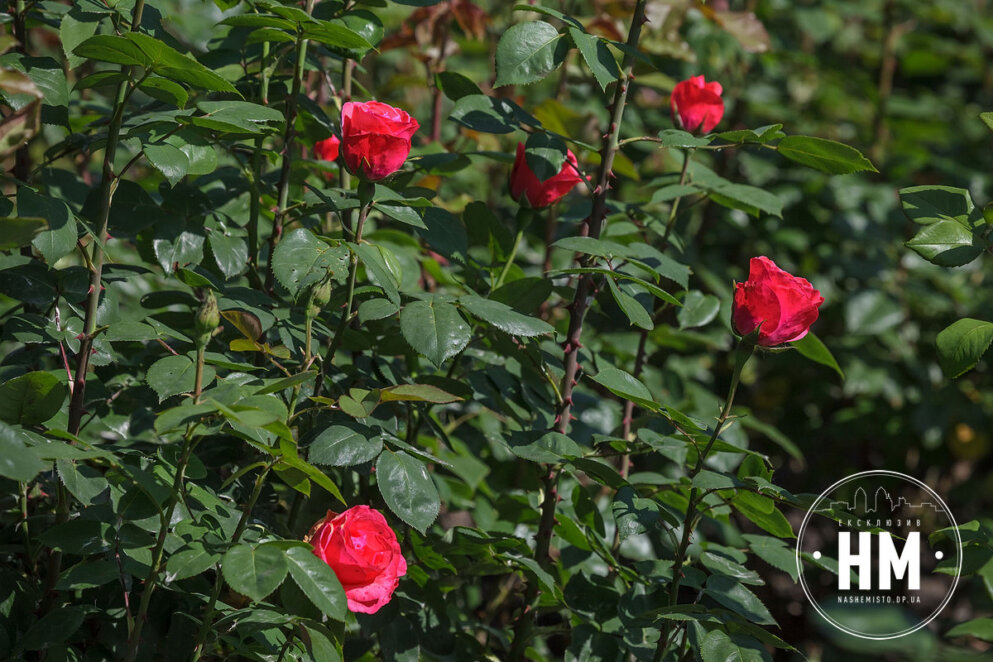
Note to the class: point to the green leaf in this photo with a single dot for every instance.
(238, 117)
(170, 161)
(111, 48)
(980, 628)
(434, 329)
(377, 264)
(929, 204)
(416, 393)
(987, 119)
(504, 317)
(18, 231)
(336, 35)
(527, 52)
(190, 561)
(408, 489)
(811, 347)
(254, 571)
(630, 306)
(711, 480)
(624, 385)
(376, 309)
(962, 344)
(487, 114)
(673, 191)
(345, 445)
(698, 309)
(736, 597)
(53, 628)
(60, 239)
(173, 375)
(31, 399)
(455, 85)
(165, 91)
(543, 446)
(545, 154)
(170, 63)
(749, 199)
(773, 551)
(634, 515)
(318, 582)
(230, 253)
(18, 460)
(199, 152)
(717, 646)
(825, 155)
(946, 243)
(302, 260)
(597, 57)
(762, 511)
(681, 139)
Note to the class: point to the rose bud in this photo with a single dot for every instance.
(697, 105)
(364, 553)
(523, 182)
(375, 138)
(783, 304)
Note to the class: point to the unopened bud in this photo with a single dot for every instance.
(208, 318)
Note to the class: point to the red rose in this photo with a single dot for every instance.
(696, 104)
(785, 305)
(364, 553)
(542, 193)
(375, 138)
(327, 149)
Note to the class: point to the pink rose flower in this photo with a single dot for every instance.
(364, 553)
(783, 304)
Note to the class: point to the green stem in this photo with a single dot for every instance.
(675, 203)
(210, 612)
(741, 355)
(510, 259)
(289, 138)
(198, 382)
(165, 519)
(346, 316)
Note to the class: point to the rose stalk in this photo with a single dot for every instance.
(770, 309)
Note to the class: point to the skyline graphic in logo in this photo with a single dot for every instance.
(879, 554)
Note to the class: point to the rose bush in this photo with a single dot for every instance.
(527, 426)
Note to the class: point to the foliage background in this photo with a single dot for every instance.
(902, 81)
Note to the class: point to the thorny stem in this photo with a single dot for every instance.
(741, 355)
(289, 137)
(107, 185)
(593, 226)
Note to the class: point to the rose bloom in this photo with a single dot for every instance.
(375, 138)
(327, 149)
(523, 182)
(364, 553)
(783, 304)
(697, 105)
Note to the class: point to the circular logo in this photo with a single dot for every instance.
(879, 554)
